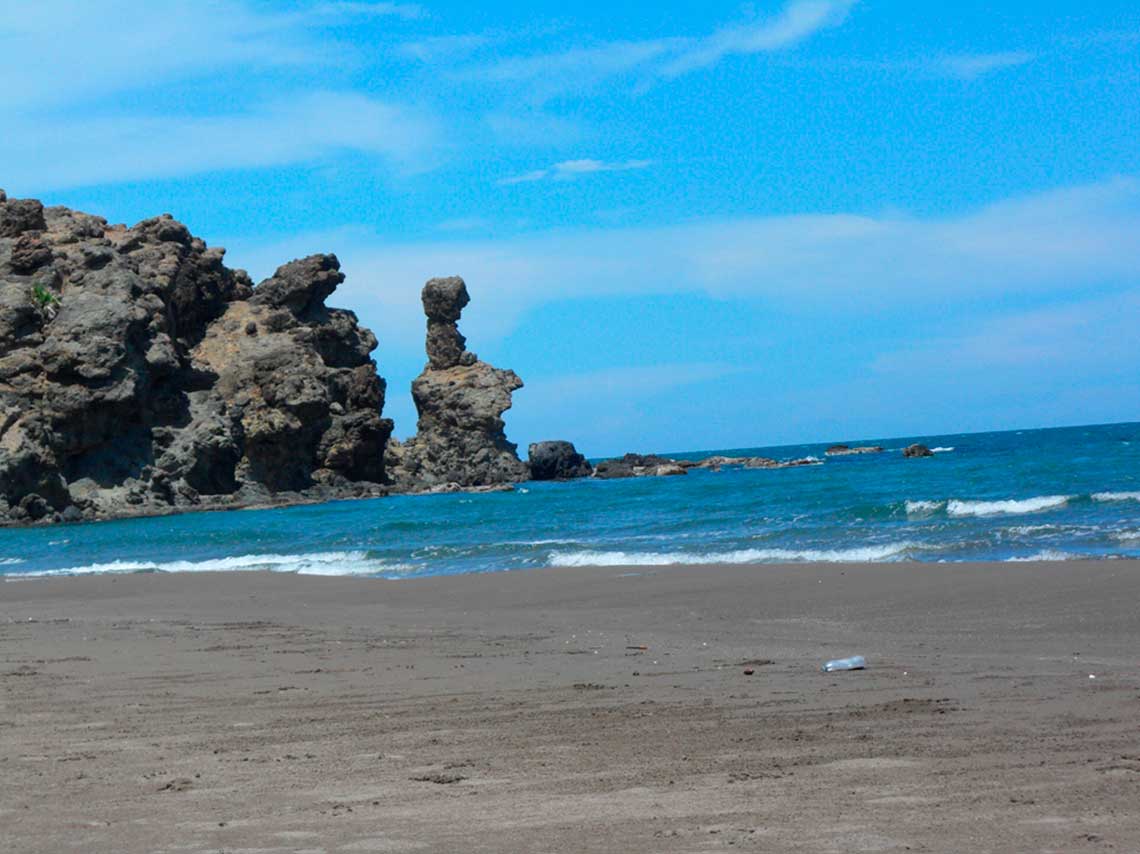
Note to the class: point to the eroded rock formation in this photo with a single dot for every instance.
(139, 374)
(460, 436)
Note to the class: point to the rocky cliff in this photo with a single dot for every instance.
(139, 374)
(460, 437)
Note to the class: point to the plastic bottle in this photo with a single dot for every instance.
(856, 662)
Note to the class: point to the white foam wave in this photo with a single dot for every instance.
(1116, 496)
(1128, 537)
(315, 563)
(10, 561)
(954, 507)
(863, 554)
(942, 450)
(923, 508)
(1033, 529)
(1046, 554)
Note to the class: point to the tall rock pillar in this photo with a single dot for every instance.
(460, 435)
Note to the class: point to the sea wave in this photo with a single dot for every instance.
(923, 508)
(942, 450)
(1024, 530)
(10, 561)
(315, 563)
(955, 507)
(1046, 554)
(1116, 496)
(861, 554)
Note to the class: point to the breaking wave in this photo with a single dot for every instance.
(1007, 507)
(862, 554)
(941, 450)
(1046, 554)
(317, 563)
(1116, 496)
(923, 508)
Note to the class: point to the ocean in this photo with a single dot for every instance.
(1051, 494)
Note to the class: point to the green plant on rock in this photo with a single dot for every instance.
(46, 301)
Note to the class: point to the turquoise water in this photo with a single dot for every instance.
(1063, 493)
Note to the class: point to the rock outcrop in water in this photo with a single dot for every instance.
(460, 436)
(139, 374)
(916, 451)
(651, 465)
(639, 465)
(847, 450)
(557, 460)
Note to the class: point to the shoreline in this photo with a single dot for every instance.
(575, 709)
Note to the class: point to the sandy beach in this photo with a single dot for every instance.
(588, 709)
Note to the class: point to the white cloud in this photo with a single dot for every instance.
(577, 69)
(408, 11)
(568, 170)
(50, 154)
(584, 67)
(636, 382)
(464, 223)
(440, 48)
(1073, 336)
(59, 52)
(622, 401)
(1031, 246)
(972, 66)
(798, 21)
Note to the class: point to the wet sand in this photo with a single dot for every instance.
(590, 709)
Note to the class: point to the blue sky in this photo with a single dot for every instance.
(720, 225)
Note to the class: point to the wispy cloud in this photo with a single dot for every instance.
(465, 223)
(973, 65)
(582, 67)
(798, 21)
(53, 52)
(568, 170)
(638, 381)
(50, 154)
(619, 398)
(408, 11)
(449, 47)
(1056, 336)
(1029, 246)
(579, 67)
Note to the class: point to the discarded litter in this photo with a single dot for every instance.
(856, 662)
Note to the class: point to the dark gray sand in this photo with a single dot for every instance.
(575, 710)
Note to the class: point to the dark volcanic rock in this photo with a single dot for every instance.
(139, 374)
(917, 450)
(20, 215)
(557, 460)
(444, 301)
(460, 436)
(639, 465)
(847, 450)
